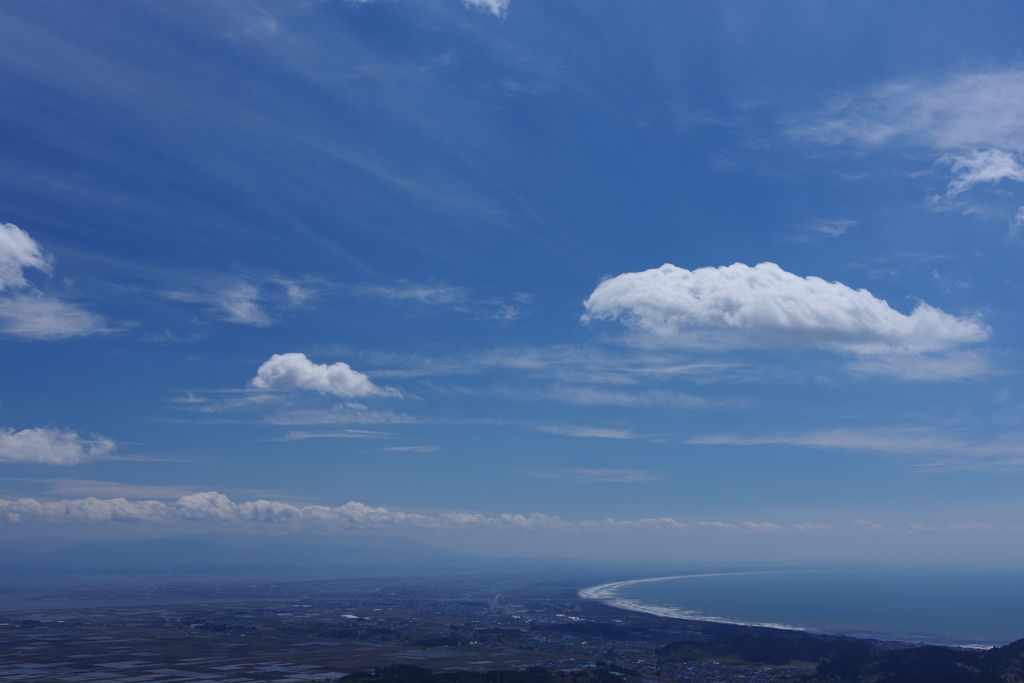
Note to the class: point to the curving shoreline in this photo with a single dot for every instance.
(608, 594)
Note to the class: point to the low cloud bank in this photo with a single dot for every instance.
(766, 306)
(216, 507)
(213, 508)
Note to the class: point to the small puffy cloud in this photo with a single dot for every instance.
(51, 446)
(967, 111)
(17, 252)
(289, 371)
(496, 7)
(989, 166)
(30, 313)
(765, 305)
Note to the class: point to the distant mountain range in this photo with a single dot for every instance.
(299, 555)
(234, 554)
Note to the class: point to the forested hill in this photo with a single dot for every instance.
(849, 660)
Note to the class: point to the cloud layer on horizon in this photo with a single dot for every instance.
(212, 507)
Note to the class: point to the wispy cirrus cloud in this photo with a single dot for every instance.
(1017, 223)
(440, 294)
(594, 396)
(832, 228)
(956, 365)
(496, 7)
(430, 293)
(243, 300)
(589, 432)
(342, 414)
(597, 475)
(113, 489)
(299, 435)
(935, 448)
(974, 120)
(989, 166)
(962, 112)
(745, 527)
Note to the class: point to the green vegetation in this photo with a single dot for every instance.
(404, 673)
(846, 660)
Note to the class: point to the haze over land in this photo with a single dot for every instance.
(671, 282)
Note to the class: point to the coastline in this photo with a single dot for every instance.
(607, 594)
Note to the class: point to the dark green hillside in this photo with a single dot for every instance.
(846, 660)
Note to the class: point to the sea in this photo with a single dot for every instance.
(976, 607)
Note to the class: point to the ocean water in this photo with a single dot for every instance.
(968, 606)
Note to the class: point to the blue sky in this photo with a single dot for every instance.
(657, 280)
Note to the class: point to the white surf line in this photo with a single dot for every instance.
(606, 593)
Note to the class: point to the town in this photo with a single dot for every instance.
(291, 632)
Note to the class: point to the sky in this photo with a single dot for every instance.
(705, 281)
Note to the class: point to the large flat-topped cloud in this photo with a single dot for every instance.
(765, 305)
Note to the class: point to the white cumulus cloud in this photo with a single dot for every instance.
(288, 371)
(30, 313)
(765, 305)
(51, 446)
(17, 252)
